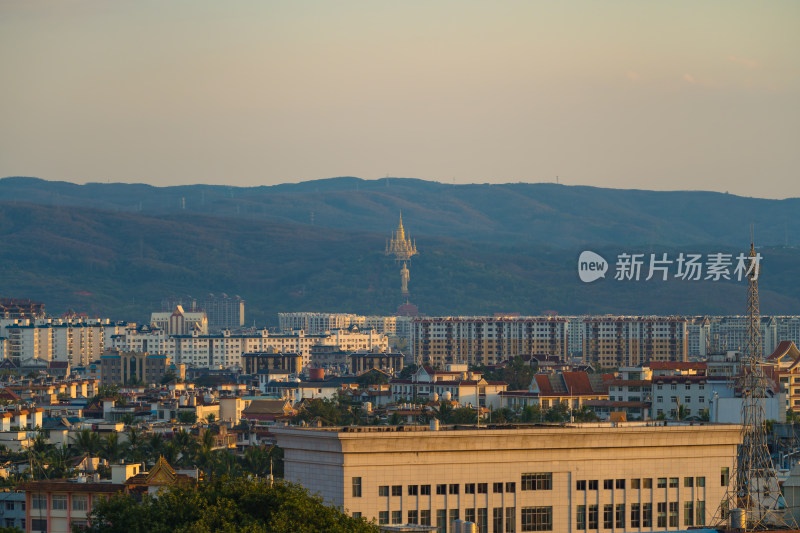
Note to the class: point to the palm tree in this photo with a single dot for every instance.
(256, 461)
(205, 453)
(155, 445)
(134, 445)
(170, 452)
(111, 448)
(87, 441)
(186, 445)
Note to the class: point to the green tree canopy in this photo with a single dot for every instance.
(224, 505)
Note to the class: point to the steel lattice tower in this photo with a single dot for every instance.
(754, 485)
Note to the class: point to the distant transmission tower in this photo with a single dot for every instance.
(753, 498)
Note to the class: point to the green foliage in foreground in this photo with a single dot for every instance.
(225, 505)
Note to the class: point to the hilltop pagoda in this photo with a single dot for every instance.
(402, 248)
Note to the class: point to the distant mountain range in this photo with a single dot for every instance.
(116, 250)
(544, 213)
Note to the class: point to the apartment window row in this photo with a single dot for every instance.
(58, 502)
(641, 515)
(537, 481)
(644, 483)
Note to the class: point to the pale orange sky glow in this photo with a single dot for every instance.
(668, 95)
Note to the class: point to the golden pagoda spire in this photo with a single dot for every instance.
(402, 248)
(401, 233)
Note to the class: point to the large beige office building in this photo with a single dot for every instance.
(624, 477)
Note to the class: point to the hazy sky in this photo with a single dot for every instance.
(655, 95)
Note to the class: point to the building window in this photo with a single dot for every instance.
(497, 488)
(80, 502)
(538, 481)
(497, 520)
(453, 515)
(580, 518)
(662, 515)
(608, 516)
(441, 521)
(38, 524)
(483, 519)
(397, 490)
(383, 517)
(469, 515)
(511, 486)
(593, 484)
(647, 483)
(580, 484)
(469, 488)
(356, 487)
(441, 489)
(397, 517)
(635, 483)
(636, 515)
(537, 519)
(723, 476)
(619, 516)
(413, 490)
(688, 481)
(662, 483)
(483, 488)
(620, 484)
(673, 483)
(454, 488)
(425, 490)
(608, 484)
(383, 490)
(647, 515)
(511, 520)
(59, 502)
(701, 513)
(413, 517)
(688, 513)
(701, 481)
(9, 506)
(594, 517)
(673, 514)
(425, 517)
(39, 501)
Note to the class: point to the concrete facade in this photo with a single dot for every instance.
(618, 477)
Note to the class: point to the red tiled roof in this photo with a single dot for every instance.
(782, 349)
(577, 383)
(543, 382)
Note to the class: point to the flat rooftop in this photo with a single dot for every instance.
(517, 426)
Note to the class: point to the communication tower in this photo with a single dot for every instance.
(753, 498)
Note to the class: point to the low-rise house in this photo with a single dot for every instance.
(268, 411)
(466, 388)
(572, 389)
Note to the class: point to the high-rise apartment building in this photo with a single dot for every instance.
(486, 340)
(223, 311)
(634, 341)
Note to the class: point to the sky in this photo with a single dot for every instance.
(678, 95)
